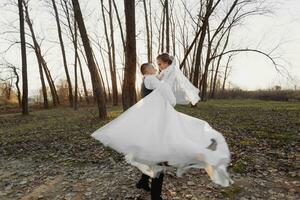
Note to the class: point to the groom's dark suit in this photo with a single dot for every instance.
(144, 91)
(156, 183)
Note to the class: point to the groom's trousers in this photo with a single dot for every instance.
(156, 185)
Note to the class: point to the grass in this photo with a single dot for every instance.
(249, 121)
(260, 135)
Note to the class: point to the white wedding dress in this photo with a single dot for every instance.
(152, 131)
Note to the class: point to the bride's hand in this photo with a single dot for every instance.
(160, 76)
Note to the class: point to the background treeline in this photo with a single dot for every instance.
(100, 64)
(274, 95)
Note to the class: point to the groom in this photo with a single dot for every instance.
(156, 183)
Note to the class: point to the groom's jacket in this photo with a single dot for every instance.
(144, 90)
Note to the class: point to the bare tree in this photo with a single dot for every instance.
(191, 46)
(51, 84)
(96, 82)
(162, 30)
(150, 30)
(8, 85)
(129, 93)
(15, 71)
(6, 88)
(120, 24)
(213, 90)
(226, 72)
(110, 58)
(209, 49)
(86, 94)
(62, 46)
(209, 10)
(37, 50)
(113, 54)
(24, 60)
(106, 74)
(149, 54)
(73, 31)
(75, 66)
(167, 26)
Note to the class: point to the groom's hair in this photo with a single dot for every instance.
(165, 57)
(144, 67)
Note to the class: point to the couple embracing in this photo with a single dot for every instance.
(154, 137)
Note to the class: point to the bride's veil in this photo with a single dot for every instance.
(184, 91)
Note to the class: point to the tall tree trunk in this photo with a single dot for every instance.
(86, 94)
(96, 82)
(190, 49)
(147, 32)
(113, 53)
(206, 66)
(75, 66)
(120, 24)
(106, 75)
(129, 93)
(200, 43)
(110, 59)
(120, 80)
(51, 84)
(151, 30)
(218, 65)
(17, 86)
(63, 53)
(211, 76)
(167, 26)
(44, 89)
(209, 48)
(226, 72)
(100, 74)
(38, 53)
(173, 29)
(24, 60)
(75, 44)
(163, 29)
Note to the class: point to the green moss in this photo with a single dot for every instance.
(231, 191)
(239, 167)
(247, 142)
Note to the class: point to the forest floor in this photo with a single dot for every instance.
(51, 155)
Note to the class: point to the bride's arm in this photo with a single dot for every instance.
(151, 82)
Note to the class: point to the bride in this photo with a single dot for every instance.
(152, 132)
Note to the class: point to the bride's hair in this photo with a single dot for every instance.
(165, 57)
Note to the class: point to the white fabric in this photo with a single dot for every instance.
(152, 131)
(151, 82)
(184, 91)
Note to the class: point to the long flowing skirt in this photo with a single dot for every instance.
(152, 132)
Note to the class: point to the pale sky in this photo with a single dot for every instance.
(249, 70)
(252, 71)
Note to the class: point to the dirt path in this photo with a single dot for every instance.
(47, 190)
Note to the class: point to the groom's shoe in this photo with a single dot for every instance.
(143, 183)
